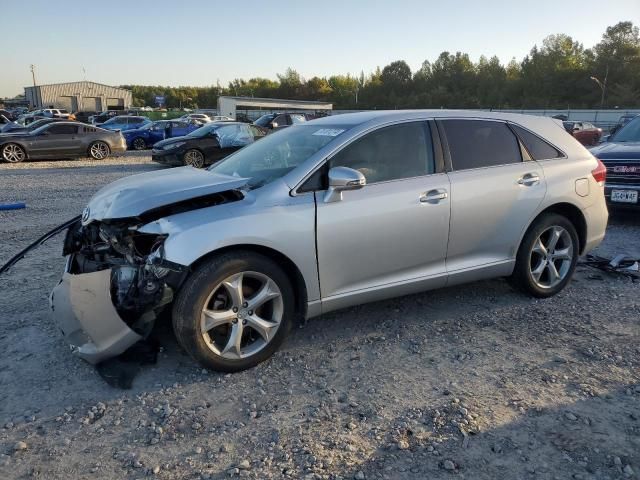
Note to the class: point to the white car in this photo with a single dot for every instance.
(55, 113)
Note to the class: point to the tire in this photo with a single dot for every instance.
(544, 267)
(211, 287)
(139, 144)
(13, 153)
(99, 150)
(193, 158)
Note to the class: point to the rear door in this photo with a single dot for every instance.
(495, 191)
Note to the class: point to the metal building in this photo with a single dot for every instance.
(78, 96)
(228, 105)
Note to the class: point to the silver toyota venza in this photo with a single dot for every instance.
(323, 215)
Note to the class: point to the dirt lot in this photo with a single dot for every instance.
(475, 382)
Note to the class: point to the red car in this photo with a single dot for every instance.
(586, 133)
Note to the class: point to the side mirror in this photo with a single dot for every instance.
(342, 179)
(274, 125)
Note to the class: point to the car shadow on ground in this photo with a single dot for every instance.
(596, 436)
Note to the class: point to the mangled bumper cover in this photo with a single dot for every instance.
(83, 309)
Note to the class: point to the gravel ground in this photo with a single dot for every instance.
(475, 382)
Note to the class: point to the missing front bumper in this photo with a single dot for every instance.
(83, 309)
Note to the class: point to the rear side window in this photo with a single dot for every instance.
(480, 143)
(537, 148)
(63, 129)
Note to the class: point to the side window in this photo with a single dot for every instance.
(537, 148)
(58, 129)
(480, 143)
(390, 153)
(256, 132)
(228, 135)
(297, 118)
(281, 120)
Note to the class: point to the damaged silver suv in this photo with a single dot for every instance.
(323, 215)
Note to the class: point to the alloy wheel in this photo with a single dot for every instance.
(13, 153)
(551, 257)
(241, 315)
(194, 158)
(99, 150)
(139, 144)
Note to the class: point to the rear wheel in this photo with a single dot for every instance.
(13, 153)
(234, 311)
(99, 150)
(193, 158)
(139, 144)
(547, 256)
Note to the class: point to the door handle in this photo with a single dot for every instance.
(433, 196)
(529, 179)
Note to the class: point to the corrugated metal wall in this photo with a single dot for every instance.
(77, 94)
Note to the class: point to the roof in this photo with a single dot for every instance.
(382, 116)
(74, 83)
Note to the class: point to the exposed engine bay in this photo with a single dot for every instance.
(142, 282)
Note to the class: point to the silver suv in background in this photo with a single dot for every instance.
(323, 215)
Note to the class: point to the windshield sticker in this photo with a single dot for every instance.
(328, 132)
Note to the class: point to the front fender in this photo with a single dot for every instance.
(288, 229)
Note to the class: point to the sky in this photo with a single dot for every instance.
(200, 42)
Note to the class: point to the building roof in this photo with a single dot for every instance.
(75, 83)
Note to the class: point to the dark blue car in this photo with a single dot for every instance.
(146, 136)
(621, 156)
(125, 122)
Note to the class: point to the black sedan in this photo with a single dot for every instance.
(206, 145)
(61, 140)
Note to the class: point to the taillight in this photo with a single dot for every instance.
(600, 172)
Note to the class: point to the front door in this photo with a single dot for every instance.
(494, 193)
(58, 140)
(390, 237)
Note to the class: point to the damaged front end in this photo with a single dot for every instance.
(116, 282)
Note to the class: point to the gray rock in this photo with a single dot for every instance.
(449, 465)
(19, 446)
(628, 471)
(244, 465)
(570, 416)
(359, 475)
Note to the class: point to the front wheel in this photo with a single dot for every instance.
(234, 311)
(193, 158)
(13, 153)
(547, 256)
(99, 150)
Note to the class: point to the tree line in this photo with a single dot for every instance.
(558, 74)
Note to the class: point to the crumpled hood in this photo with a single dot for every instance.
(136, 194)
(611, 150)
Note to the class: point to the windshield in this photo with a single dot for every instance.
(264, 120)
(204, 131)
(629, 133)
(277, 154)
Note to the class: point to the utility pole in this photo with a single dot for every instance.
(33, 74)
(602, 85)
